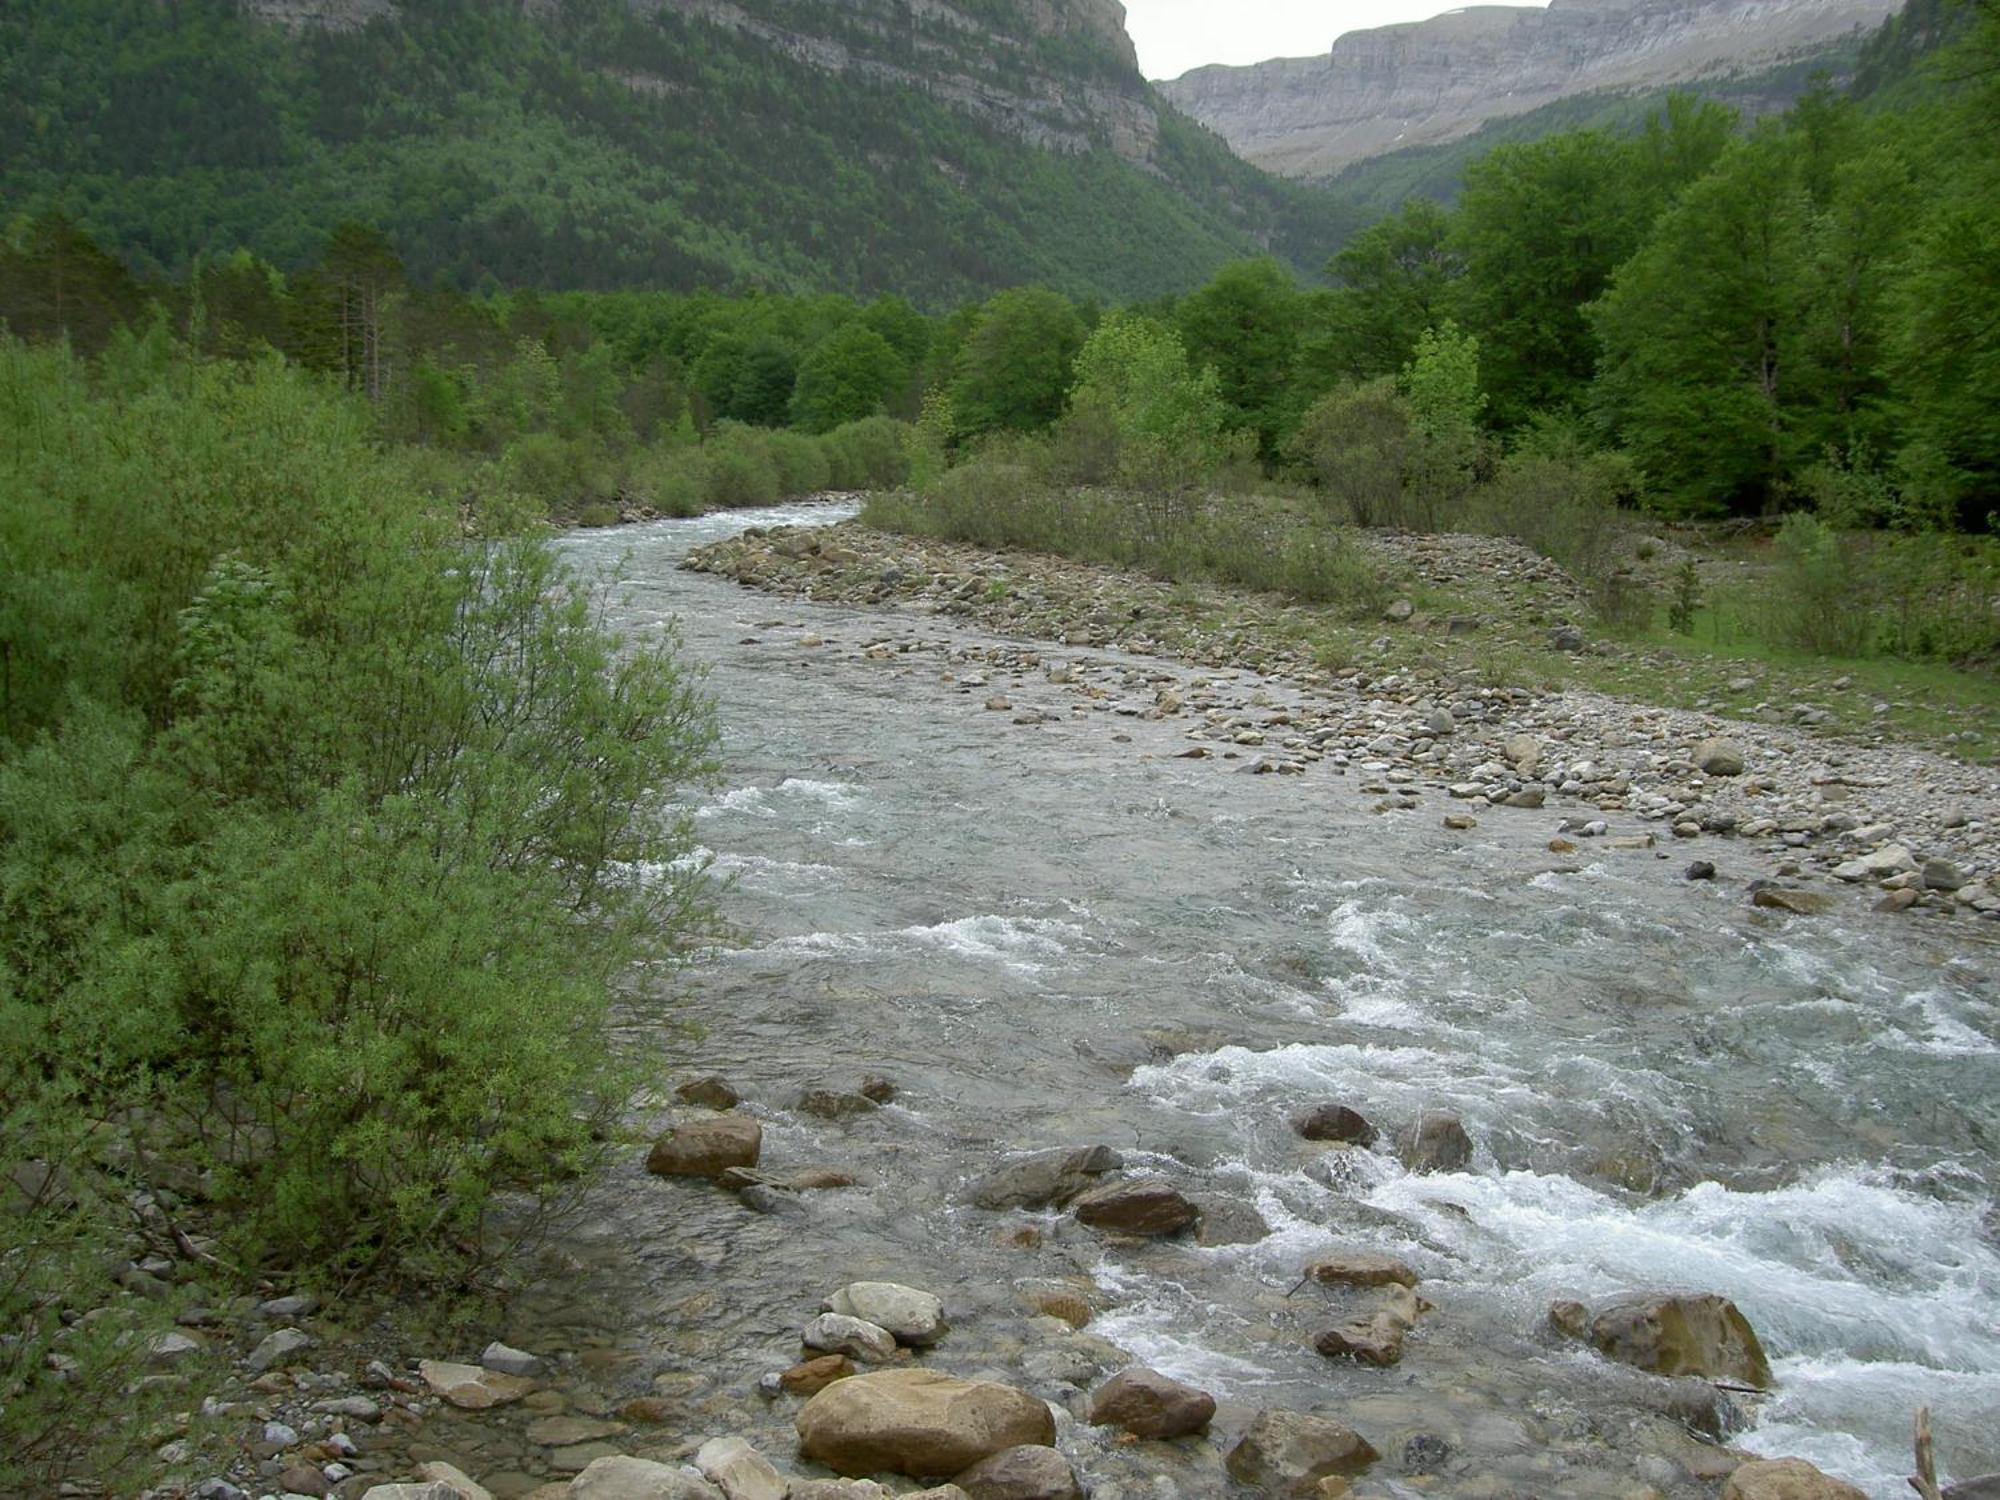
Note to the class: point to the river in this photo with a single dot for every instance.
(1056, 933)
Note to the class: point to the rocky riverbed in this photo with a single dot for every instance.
(1908, 829)
(1210, 1054)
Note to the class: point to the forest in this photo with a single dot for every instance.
(330, 810)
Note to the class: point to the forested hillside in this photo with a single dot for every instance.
(591, 144)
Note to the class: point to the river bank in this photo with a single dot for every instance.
(988, 872)
(1907, 828)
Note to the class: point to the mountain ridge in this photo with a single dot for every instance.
(1427, 82)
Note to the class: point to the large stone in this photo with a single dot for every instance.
(1044, 1179)
(1148, 1404)
(706, 1148)
(1891, 859)
(457, 1480)
(815, 1375)
(510, 1361)
(471, 1388)
(1786, 1479)
(739, 1470)
(1799, 903)
(1672, 1334)
(1985, 1487)
(1149, 1206)
(410, 1492)
(1334, 1122)
(836, 1333)
(1376, 1340)
(1358, 1268)
(834, 1104)
(278, 1349)
(711, 1092)
(914, 1317)
(918, 1422)
(1025, 1473)
(1718, 757)
(1286, 1453)
(1435, 1142)
(616, 1477)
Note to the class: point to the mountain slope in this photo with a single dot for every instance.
(932, 149)
(1434, 81)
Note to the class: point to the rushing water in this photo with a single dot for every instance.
(1056, 933)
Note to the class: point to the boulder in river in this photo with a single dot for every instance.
(1045, 1179)
(1145, 1206)
(1785, 898)
(834, 1104)
(1435, 1142)
(739, 1470)
(1334, 1122)
(1148, 1404)
(617, 1477)
(1359, 1268)
(471, 1388)
(815, 1375)
(1287, 1453)
(1680, 1334)
(706, 1148)
(911, 1316)
(1029, 1472)
(918, 1422)
(837, 1333)
(711, 1092)
(1376, 1340)
(1786, 1479)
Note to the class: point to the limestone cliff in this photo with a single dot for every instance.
(1059, 74)
(1431, 81)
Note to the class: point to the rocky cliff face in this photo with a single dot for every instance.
(1060, 74)
(1432, 81)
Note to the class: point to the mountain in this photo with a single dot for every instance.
(1428, 82)
(936, 148)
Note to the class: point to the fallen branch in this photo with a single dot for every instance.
(1926, 1481)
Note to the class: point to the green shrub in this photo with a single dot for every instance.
(563, 474)
(1818, 601)
(673, 480)
(1565, 506)
(801, 463)
(323, 842)
(1359, 443)
(740, 470)
(871, 454)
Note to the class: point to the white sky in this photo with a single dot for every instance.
(1175, 35)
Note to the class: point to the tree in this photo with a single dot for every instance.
(1169, 419)
(1245, 325)
(848, 375)
(1441, 385)
(362, 272)
(1013, 371)
(1395, 278)
(1542, 228)
(1700, 332)
(56, 283)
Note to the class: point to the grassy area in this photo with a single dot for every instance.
(1237, 564)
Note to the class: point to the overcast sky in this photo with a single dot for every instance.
(1175, 35)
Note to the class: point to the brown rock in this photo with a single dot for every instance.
(1024, 1473)
(1149, 1206)
(820, 1179)
(710, 1092)
(648, 1411)
(1044, 1179)
(303, 1479)
(832, 1104)
(1786, 1479)
(918, 1422)
(1570, 1320)
(1150, 1405)
(706, 1148)
(1801, 903)
(1377, 1340)
(815, 1375)
(471, 1388)
(1287, 1453)
(878, 1088)
(1334, 1122)
(1435, 1142)
(1683, 1335)
(1360, 1269)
